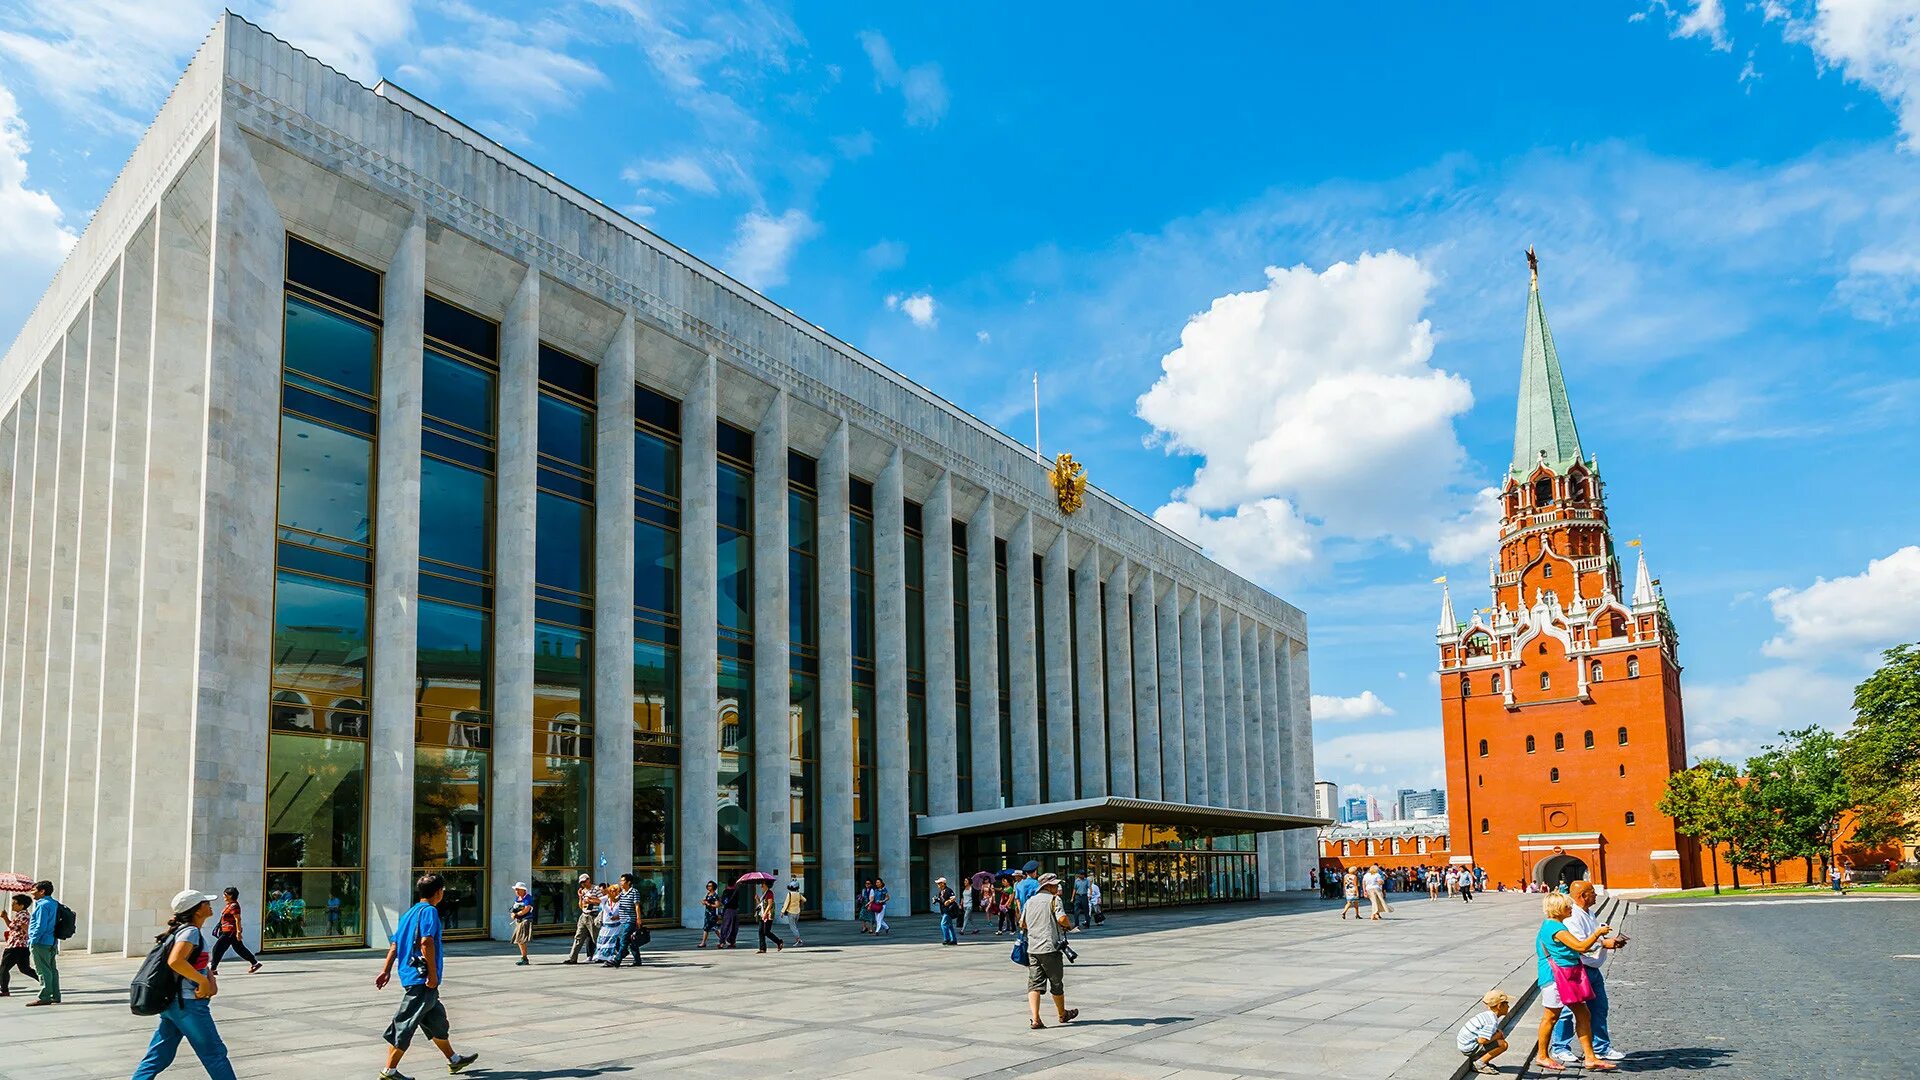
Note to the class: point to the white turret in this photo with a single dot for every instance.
(1448, 624)
(1643, 584)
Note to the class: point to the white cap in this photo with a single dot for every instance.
(187, 899)
(522, 886)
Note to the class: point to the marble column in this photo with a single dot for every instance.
(1023, 675)
(699, 637)
(1277, 868)
(1173, 722)
(1233, 686)
(1089, 657)
(1146, 687)
(1300, 733)
(1059, 673)
(511, 794)
(396, 584)
(27, 762)
(56, 672)
(1193, 697)
(835, 770)
(1120, 694)
(1214, 672)
(983, 656)
(13, 683)
(936, 570)
(890, 685)
(1254, 687)
(613, 725)
(772, 697)
(11, 486)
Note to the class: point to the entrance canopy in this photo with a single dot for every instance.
(1111, 808)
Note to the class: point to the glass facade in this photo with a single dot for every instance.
(803, 673)
(1136, 866)
(318, 703)
(1040, 669)
(563, 564)
(453, 695)
(962, 668)
(734, 595)
(866, 764)
(916, 598)
(656, 654)
(1003, 643)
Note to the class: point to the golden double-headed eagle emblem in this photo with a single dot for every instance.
(1069, 483)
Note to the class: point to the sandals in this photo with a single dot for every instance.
(1072, 1015)
(1035, 1025)
(1600, 1066)
(1547, 1064)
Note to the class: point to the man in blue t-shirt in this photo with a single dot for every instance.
(419, 945)
(1024, 889)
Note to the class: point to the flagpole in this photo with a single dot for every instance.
(1037, 455)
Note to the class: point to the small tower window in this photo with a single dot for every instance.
(1546, 570)
(1529, 744)
(1542, 491)
(1546, 681)
(1623, 736)
(1466, 686)
(1543, 648)
(1346, 847)
(1483, 825)
(1553, 776)
(1483, 748)
(1633, 667)
(1623, 769)
(1595, 672)
(1629, 817)
(1496, 684)
(1559, 741)
(1589, 739)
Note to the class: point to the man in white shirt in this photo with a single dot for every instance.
(1093, 901)
(1582, 924)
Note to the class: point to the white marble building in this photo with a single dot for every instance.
(258, 629)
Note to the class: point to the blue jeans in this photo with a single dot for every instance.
(1563, 1029)
(947, 935)
(192, 1019)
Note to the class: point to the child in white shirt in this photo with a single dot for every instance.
(1481, 1039)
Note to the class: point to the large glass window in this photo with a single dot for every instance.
(453, 712)
(866, 764)
(916, 633)
(1004, 644)
(656, 637)
(962, 672)
(734, 711)
(563, 565)
(317, 707)
(803, 659)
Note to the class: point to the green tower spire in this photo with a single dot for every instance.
(1545, 417)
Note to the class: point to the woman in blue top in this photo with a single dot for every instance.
(1555, 946)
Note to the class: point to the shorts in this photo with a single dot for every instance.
(1550, 997)
(1047, 973)
(522, 931)
(420, 1011)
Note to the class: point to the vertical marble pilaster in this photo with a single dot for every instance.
(1059, 673)
(772, 697)
(1173, 723)
(107, 929)
(511, 797)
(396, 584)
(1146, 687)
(613, 606)
(86, 719)
(1193, 698)
(1299, 698)
(31, 675)
(836, 680)
(1023, 661)
(890, 687)
(699, 636)
(1120, 700)
(1089, 657)
(1276, 868)
(56, 625)
(936, 569)
(14, 486)
(1214, 674)
(983, 651)
(1234, 701)
(14, 686)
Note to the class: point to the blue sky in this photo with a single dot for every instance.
(1266, 263)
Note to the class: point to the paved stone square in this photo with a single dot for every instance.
(1274, 990)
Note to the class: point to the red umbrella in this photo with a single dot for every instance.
(753, 877)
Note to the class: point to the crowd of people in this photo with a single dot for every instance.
(1432, 880)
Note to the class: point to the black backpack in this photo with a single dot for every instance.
(156, 984)
(65, 922)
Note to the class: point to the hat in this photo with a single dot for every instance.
(586, 877)
(522, 886)
(187, 899)
(1049, 879)
(1032, 867)
(793, 886)
(939, 881)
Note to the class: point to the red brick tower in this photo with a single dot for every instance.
(1561, 701)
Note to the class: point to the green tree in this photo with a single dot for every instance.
(1808, 791)
(1700, 801)
(1881, 752)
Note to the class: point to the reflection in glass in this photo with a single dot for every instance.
(735, 716)
(326, 480)
(565, 431)
(316, 794)
(563, 549)
(456, 507)
(656, 574)
(311, 907)
(330, 346)
(457, 392)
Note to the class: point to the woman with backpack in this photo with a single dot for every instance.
(188, 1015)
(227, 934)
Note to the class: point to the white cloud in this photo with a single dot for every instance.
(763, 245)
(886, 255)
(983, 337)
(681, 170)
(32, 238)
(1875, 43)
(1264, 539)
(1471, 536)
(1316, 396)
(1867, 612)
(1408, 756)
(854, 147)
(1734, 720)
(349, 34)
(919, 307)
(109, 62)
(1706, 19)
(922, 86)
(1364, 706)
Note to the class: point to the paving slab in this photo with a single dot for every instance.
(1267, 991)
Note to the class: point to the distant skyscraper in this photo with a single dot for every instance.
(1373, 809)
(1326, 799)
(1416, 804)
(1354, 809)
